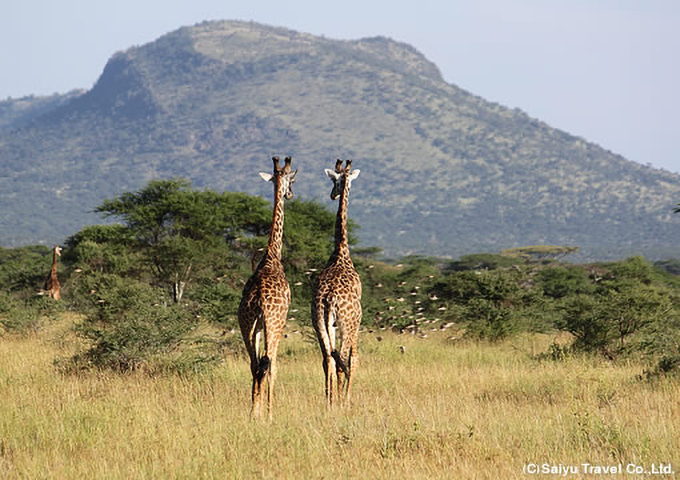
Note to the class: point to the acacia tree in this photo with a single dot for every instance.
(180, 230)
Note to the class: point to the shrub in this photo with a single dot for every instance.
(24, 268)
(488, 320)
(218, 301)
(492, 301)
(15, 316)
(22, 314)
(129, 326)
(559, 282)
(610, 321)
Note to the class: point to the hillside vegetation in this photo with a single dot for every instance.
(444, 172)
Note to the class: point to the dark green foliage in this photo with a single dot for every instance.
(487, 319)
(25, 267)
(562, 281)
(624, 307)
(396, 295)
(25, 312)
(493, 302)
(129, 325)
(217, 301)
(309, 235)
(16, 316)
(181, 232)
(104, 249)
(22, 275)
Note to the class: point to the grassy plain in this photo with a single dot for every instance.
(439, 410)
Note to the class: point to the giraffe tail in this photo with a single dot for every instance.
(262, 367)
(338, 359)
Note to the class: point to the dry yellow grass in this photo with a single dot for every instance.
(437, 411)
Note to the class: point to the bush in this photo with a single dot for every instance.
(24, 314)
(24, 267)
(493, 302)
(560, 282)
(218, 302)
(488, 320)
(129, 326)
(614, 321)
(15, 316)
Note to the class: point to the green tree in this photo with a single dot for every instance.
(24, 267)
(102, 248)
(563, 281)
(181, 231)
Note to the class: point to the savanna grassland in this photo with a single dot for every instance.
(488, 366)
(441, 409)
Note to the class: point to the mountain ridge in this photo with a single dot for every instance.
(444, 172)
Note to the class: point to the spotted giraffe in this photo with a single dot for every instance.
(266, 296)
(52, 285)
(336, 302)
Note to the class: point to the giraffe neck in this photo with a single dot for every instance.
(54, 263)
(341, 239)
(276, 233)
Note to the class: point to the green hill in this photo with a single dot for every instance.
(444, 172)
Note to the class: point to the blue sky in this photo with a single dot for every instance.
(604, 70)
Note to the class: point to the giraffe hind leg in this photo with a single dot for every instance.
(353, 361)
(259, 366)
(255, 393)
(329, 370)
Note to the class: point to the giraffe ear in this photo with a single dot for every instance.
(354, 174)
(267, 177)
(331, 174)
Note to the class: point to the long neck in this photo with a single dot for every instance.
(276, 233)
(341, 241)
(54, 262)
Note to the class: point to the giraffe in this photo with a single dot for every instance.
(266, 296)
(52, 286)
(336, 302)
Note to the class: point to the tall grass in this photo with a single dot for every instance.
(439, 410)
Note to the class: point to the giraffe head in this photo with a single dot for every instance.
(282, 177)
(341, 177)
(57, 249)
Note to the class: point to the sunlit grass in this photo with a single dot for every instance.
(439, 410)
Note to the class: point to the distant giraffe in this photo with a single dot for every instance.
(336, 303)
(266, 296)
(52, 286)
